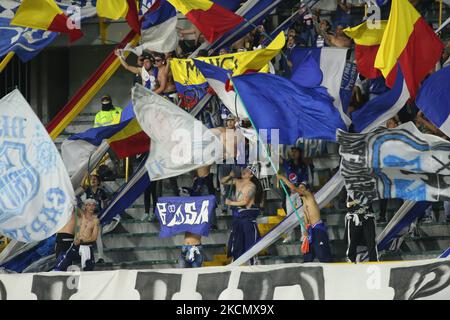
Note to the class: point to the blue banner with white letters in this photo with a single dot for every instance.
(185, 214)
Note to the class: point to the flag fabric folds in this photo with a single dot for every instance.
(180, 143)
(274, 102)
(409, 40)
(158, 28)
(117, 9)
(395, 163)
(45, 15)
(192, 86)
(36, 195)
(380, 109)
(218, 79)
(367, 40)
(434, 99)
(185, 214)
(324, 67)
(254, 12)
(210, 18)
(125, 139)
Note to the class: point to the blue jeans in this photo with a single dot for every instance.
(187, 260)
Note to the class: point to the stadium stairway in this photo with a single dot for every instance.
(135, 244)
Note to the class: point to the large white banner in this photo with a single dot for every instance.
(36, 194)
(179, 142)
(427, 279)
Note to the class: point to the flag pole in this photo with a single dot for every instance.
(440, 13)
(267, 153)
(6, 60)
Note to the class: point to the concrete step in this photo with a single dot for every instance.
(426, 243)
(138, 240)
(137, 265)
(120, 255)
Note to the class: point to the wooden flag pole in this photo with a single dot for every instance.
(6, 60)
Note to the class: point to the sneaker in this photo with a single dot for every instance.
(145, 217)
(427, 220)
(152, 217)
(100, 261)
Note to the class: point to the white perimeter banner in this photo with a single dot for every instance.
(425, 279)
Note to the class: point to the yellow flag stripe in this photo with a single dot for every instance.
(400, 26)
(112, 9)
(367, 34)
(185, 72)
(131, 129)
(37, 14)
(184, 6)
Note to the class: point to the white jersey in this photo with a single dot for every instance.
(148, 80)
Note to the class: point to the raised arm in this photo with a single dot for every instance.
(229, 179)
(132, 69)
(287, 182)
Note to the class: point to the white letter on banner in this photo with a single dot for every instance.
(162, 212)
(190, 213)
(203, 216)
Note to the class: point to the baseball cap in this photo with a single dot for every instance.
(105, 99)
(231, 117)
(90, 201)
(147, 56)
(253, 169)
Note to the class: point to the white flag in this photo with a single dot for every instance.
(36, 195)
(179, 142)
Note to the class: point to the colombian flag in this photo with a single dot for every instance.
(409, 40)
(367, 41)
(117, 9)
(210, 18)
(45, 15)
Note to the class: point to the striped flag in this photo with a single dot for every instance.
(409, 40)
(210, 18)
(45, 15)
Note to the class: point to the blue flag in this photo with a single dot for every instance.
(25, 42)
(274, 102)
(96, 135)
(434, 99)
(383, 107)
(326, 67)
(185, 214)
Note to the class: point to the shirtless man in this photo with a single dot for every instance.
(244, 232)
(86, 233)
(229, 140)
(147, 71)
(191, 251)
(317, 236)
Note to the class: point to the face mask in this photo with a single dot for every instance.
(108, 106)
